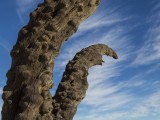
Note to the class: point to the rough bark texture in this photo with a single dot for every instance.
(73, 86)
(26, 95)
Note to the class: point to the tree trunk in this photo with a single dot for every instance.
(26, 95)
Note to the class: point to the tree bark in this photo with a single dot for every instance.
(73, 86)
(26, 95)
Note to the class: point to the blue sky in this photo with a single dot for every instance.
(123, 89)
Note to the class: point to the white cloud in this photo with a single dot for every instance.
(24, 2)
(23, 6)
(135, 81)
(157, 6)
(106, 95)
(153, 69)
(99, 21)
(150, 51)
(5, 45)
(1, 90)
(146, 107)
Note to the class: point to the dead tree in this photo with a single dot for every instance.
(26, 95)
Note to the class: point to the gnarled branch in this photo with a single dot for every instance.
(73, 86)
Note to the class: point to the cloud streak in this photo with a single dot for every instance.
(150, 51)
(5, 45)
(23, 6)
(1, 90)
(146, 108)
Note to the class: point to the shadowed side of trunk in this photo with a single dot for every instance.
(73, 86)
(26, 95)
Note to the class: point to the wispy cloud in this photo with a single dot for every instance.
(99, 21)
(157, 6)
(150, 51)
(107, 95)
(23, 6)
(21, 3)
(5, 45)
(1, 90)
(143, 108)
(153, 68)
